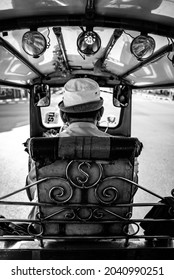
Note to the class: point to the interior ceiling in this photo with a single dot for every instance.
(18, 16)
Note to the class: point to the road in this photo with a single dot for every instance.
(152, 123)
(13, 115)
(14, 130)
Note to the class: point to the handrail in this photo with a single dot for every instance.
(75, 219)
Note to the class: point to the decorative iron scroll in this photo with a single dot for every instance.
(81, 214)
(84, 213)
(107, 192)
(84, 174)
(87, 192)
(61, 192)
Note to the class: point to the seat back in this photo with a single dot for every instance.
(82, 194)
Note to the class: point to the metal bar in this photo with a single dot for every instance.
(162, 51)
(4, 220)
(154, 86)
(25, 188)
(17, 238)
(80, 205)
(115, 36)
(22, 237)
(140, 187)
(58, 33)
(117, 21)
(29, 203)
(90, 9)
(18, 55)
(13, 84)
(57, 221)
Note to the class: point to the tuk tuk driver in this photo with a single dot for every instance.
(81, 108)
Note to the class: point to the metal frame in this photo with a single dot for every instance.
(130, 241)
(58, 33)
(71, 20)
(18, 55)
(13, 84)
(78, 20)
(158, 54)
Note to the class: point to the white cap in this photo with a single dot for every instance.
(81, 95)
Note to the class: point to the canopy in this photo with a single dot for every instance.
(61, 22)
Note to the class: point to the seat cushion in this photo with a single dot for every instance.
(84, 147)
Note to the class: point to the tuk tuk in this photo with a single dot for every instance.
(87, 187)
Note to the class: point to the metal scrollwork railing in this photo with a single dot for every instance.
(83, 177)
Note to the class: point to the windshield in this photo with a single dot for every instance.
(51, 117)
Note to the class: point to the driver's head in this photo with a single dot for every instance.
(81, 100)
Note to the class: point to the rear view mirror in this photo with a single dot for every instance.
(42, 95)
(121, 96)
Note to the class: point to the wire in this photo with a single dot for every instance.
(168, 40)
(168, 55)
(128, 34)
(83, 56)
(48, 36)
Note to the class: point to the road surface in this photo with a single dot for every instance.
(14, 130)
(152, 123)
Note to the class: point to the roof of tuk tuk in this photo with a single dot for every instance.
(133, 17)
